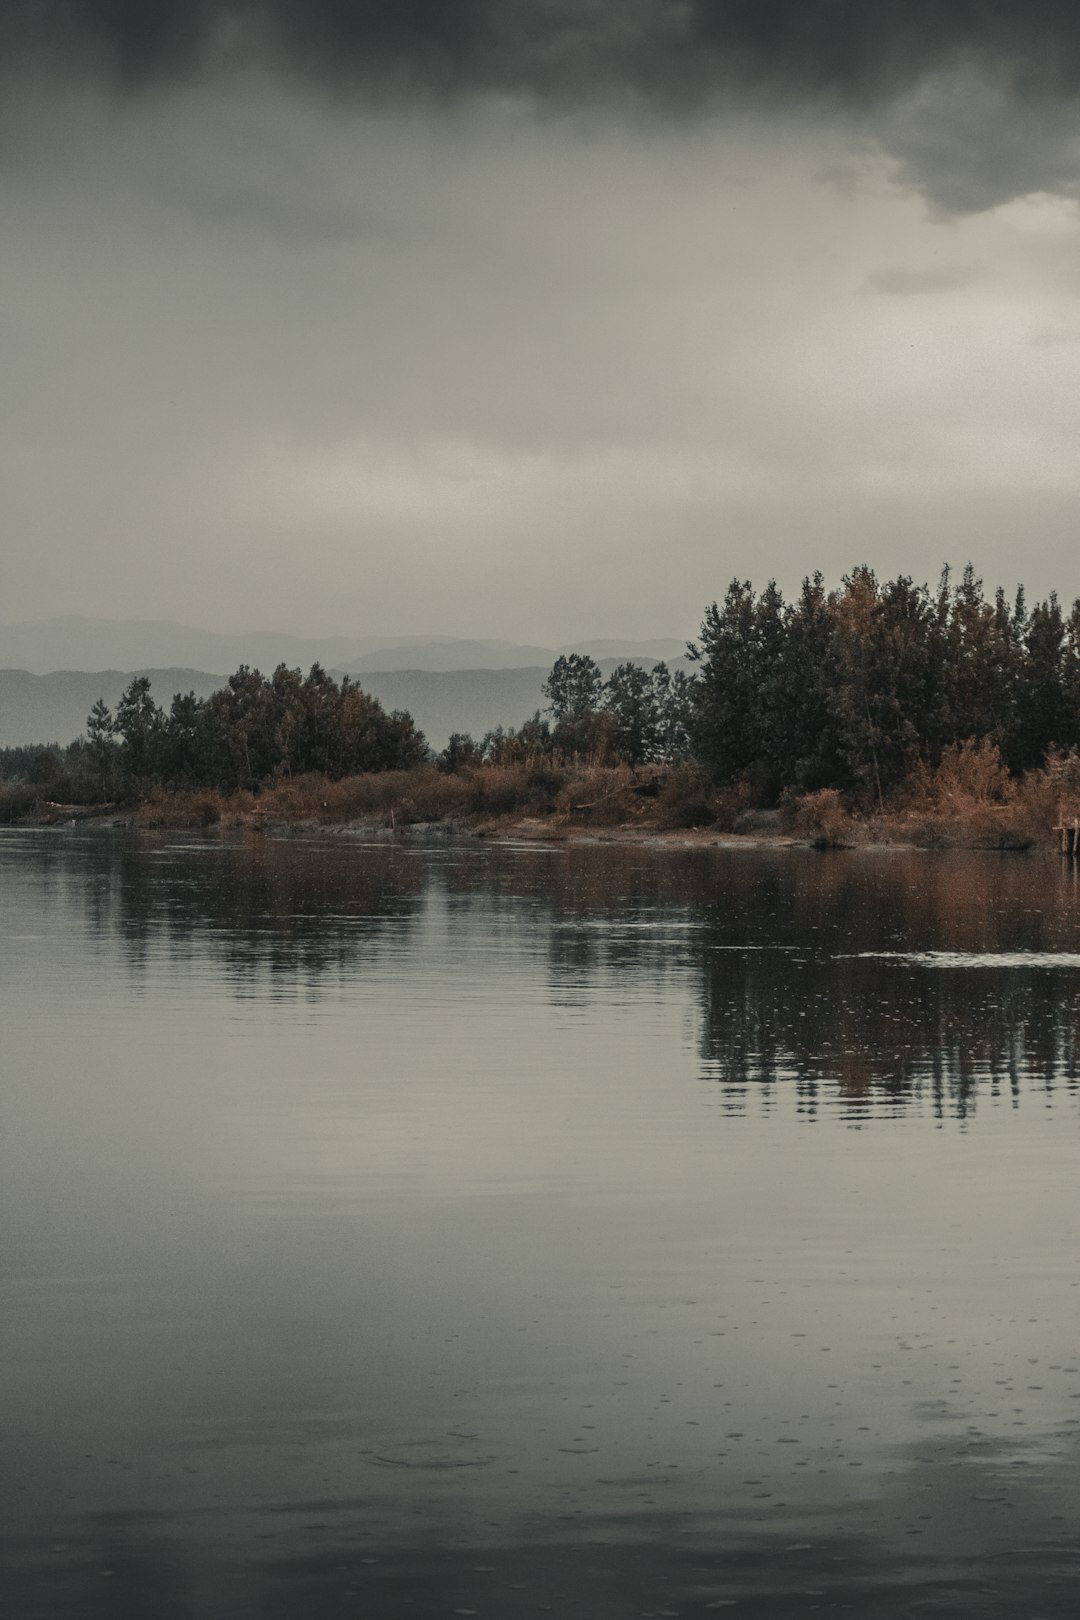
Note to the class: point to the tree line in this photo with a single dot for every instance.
(856, 687)
(636, 717)
(254, 730)
(258, 730)
(852, 688)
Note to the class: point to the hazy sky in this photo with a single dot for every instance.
(531, 318)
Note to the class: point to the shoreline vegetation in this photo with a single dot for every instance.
(876, 713)
(969, 802)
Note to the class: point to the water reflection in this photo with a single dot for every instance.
(839, 977)
(286, 915)
(848, 978)
(416, 1231)
(877, 1035)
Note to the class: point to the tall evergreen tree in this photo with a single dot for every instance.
(102, 747)
(1042, 717)
(140, 726)
(574, 688)
(632, 700)
(728, 728)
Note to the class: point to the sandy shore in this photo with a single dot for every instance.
(505, 829)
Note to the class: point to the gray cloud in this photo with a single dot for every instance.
(971, 139)
(901, 281)
(974, 99)
(489, 372)
(531, 320)
(849, 47)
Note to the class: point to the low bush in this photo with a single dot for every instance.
(822, 818)
(970, 773)
(601, 796)
(197, 807)
(970, 800)
(500, 790)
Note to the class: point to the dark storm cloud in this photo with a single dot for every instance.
(674, 49)
(974, 99)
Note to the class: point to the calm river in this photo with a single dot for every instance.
(604, 1232)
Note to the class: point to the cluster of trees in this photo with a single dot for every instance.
(636, 717)
(853, 688)
(256, 729)
(640, 716)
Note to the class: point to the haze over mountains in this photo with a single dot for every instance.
(52, 671)
(76, 643)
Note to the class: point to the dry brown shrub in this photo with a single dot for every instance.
(602, 796)
(295, 798)
(383, 796)
(499, 790)
(194, 807)
(208, 809)
(970, 773)
(823, 819)
(423, 795)
(969, 800)
(547, 778)
(373, 795)
(1052, 795)
(429, 795)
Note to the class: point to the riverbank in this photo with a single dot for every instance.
(673, 806)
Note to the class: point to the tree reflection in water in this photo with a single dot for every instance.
(814, 975)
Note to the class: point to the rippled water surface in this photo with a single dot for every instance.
(390, 1231)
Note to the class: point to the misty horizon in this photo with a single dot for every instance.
(68, 641)
(385, 639)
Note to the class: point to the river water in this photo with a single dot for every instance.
(508, 1230)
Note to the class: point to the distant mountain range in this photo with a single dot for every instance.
(42, 646)
(38, 706)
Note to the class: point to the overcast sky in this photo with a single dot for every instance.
(531, 318)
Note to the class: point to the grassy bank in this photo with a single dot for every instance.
(968, 801)
(480, 798)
